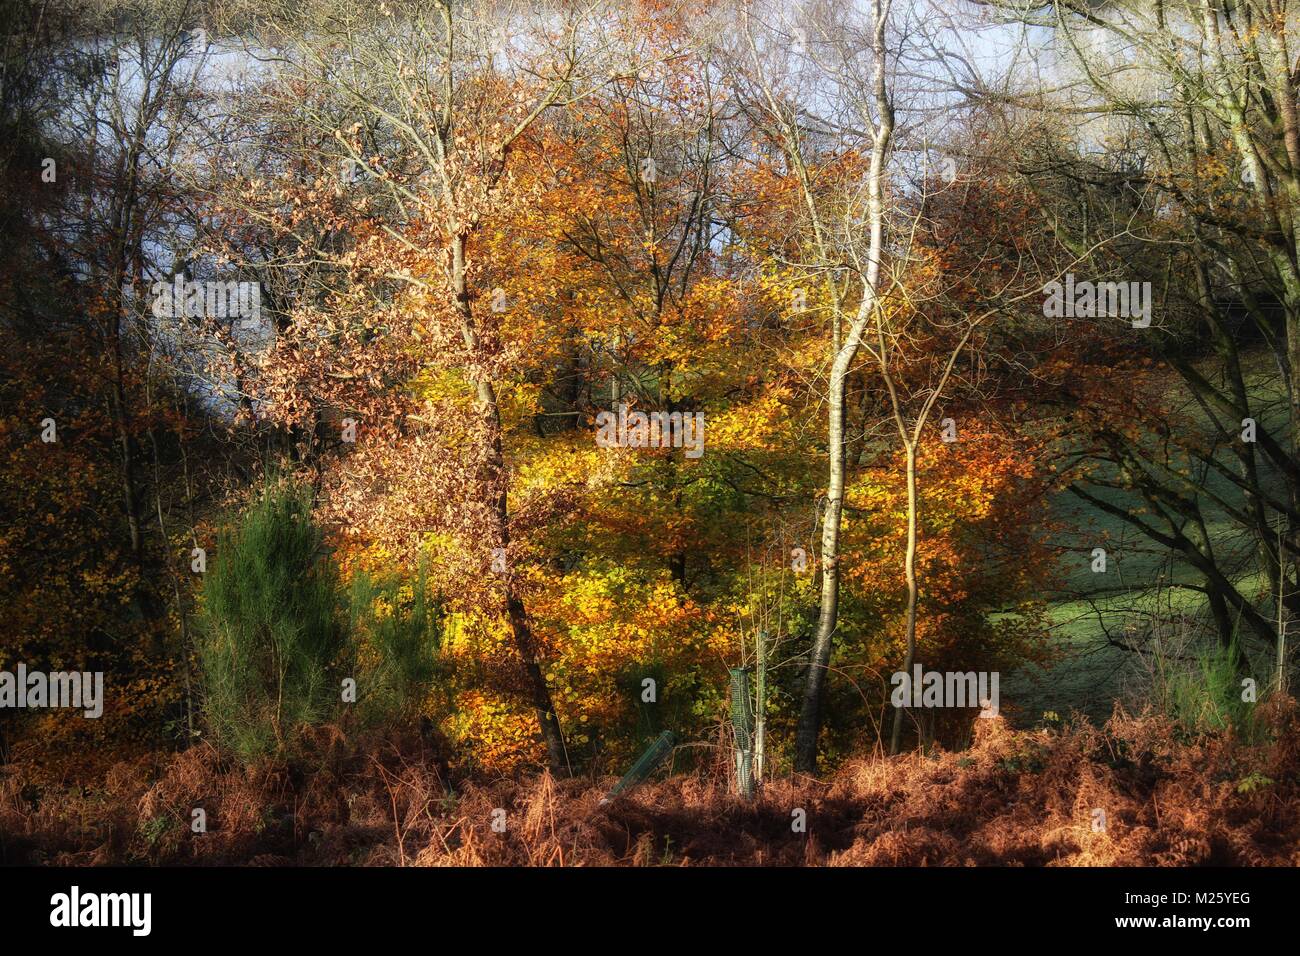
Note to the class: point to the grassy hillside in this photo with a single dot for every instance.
(1134, 596)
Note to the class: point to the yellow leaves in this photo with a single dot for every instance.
(978, 545)
(519, 403)
(476, 636)
(494, 732)
(443, 385)
(570, 458)
(761, 424)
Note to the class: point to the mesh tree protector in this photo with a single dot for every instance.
(645, 765)
(742, 719)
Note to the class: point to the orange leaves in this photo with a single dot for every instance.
(981, 546)
(495, 733)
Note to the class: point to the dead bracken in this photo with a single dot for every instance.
(1015, 798)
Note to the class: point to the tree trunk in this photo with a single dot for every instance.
(521, 633)
(809, 726)
(909, 570)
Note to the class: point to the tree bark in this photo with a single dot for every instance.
(810, 714)
(521, 633)
(909, 569)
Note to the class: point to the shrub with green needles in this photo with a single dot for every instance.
(270, 629)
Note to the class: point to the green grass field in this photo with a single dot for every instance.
(1139, 585)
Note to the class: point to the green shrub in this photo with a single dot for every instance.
(270, 634)
(1205, 694)
(398, 636)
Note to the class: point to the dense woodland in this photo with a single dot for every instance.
(416, 409)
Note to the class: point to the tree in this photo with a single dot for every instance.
(433, 161)
(852, 309)
(1182, 132)
(270, 625)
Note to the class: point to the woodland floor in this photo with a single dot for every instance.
(1014, 798)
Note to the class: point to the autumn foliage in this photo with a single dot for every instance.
(362, 567)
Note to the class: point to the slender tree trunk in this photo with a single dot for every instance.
(520, 630)
(556, 756)
(810, 715)
(521, 633)
(121, 225)
(844, 348)
(760, 709)
(909, 570)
